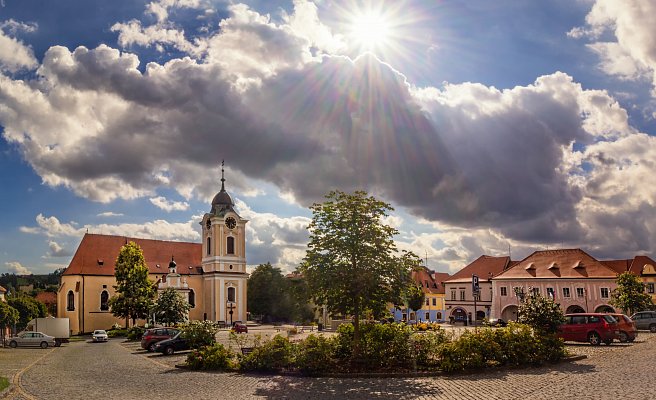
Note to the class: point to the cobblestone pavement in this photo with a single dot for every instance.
(121, 370)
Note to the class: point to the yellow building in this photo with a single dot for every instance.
(211, 275)
(645, 268)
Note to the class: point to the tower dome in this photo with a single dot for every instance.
(222, 202)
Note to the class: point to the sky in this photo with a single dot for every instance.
(495, 128)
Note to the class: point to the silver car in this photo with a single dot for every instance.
(99, 335)
(645, 320)
(32, 339)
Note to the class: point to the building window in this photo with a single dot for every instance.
(231, 294)
(504, 291)
(650, 288)
(209, 246)
(565, 292)
(434, 301)
(104, 301)
(427, 316)
(550, 292)
(453, 295)
(535, 290)
(439, 316)
(604, 292)
(428, 302)
(462, 295)
(231, 245)
(70, 301)
(192, 298)
(579, 292)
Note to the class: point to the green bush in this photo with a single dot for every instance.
(314, 354)
(214, 358)
(382, 346)
(425, 348)
(117, 333)
(135, 332)
(200, 333)
(272, 356)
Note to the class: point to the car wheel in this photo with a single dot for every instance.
(44, 345)
(594, 338)
(624, 337)
(652, 328)
(13, 344)
(151, 347)
(169, 351)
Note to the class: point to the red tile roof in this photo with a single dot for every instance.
(47, 297)
(639, 263)
(565, 263)
(484, 267)
(618, 266)
(440, 278)
(97, 255)
(423, 277)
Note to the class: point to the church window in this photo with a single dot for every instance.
(192, 298)
(209, 246)
(231, 294)
(104, 301)
(70, 301)
(231, 245)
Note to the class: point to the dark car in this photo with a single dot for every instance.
(240, 328)
(589, 327)
(628, 329)
(496, 322)
(169, 346)
(152, 336)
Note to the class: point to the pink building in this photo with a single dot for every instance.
(572, 277)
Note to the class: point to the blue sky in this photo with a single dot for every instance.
(487, 125)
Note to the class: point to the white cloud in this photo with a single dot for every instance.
(14, 54)
(168, 206)
(14, 267)
(109, 214)
(57, 251)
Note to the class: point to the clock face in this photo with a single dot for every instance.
(230, 223)
(208, 223)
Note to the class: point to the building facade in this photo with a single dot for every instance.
(211, 275)
(433, 310)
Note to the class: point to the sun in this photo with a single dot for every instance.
(370, 30)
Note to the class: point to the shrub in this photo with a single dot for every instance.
(425, 348)
(314, 355)
(472, 350)
(135, 333)
(540, 313)
(200, 333)
(213, 358)
(117, 333)
(382, 346)
(271, 356)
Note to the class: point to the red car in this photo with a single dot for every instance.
(628, 329)
(239, 327)
(152, 336)
(589, 327)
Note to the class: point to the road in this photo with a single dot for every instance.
(121, 370)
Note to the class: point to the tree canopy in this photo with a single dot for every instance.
(134, 291)
(28, 308)
(352, 265)
(630, 294)
(170, 307)
(540, 313)
(276, 298)
(415, 297)
(8, 316)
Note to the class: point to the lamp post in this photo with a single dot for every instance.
(230, 307)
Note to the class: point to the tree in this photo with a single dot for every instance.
(8, 317)
(415, 297)
(170, 307)
(352, 265)
(134, 292)
(268, 294)
(630, 294)
(540, 313)
(28, 308)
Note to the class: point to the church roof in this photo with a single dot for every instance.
(97, 255)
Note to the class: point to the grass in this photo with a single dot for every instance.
(4, 383)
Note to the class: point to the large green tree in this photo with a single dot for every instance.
(170, 307)
(352, 265)
(415, 297)
(8, 317)
(28, 308)
(540, 313)
(134, 291)
(630, 294)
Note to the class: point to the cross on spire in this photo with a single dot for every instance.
(222, 177)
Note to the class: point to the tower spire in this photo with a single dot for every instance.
(222, 177)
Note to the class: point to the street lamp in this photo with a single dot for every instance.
(230, 307)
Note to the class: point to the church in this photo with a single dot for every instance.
(211, 275)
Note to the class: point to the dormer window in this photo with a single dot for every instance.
(579, 264)
(529, 267)
(100, 262)
(553, 266)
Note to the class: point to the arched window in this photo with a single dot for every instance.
(231, 294)
(192, 298)
(70, 301)
(104, 301)
(231, 245)
(209, 245)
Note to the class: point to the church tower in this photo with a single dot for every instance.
(224, 260)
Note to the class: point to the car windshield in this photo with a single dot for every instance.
(99, 332)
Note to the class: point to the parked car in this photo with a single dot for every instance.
(594, 328)
(240, 328)
(628, 329)
(496, 322)
(176, 343)
(152, 336)
(645, 320)
(99, 335)
(32, 339)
